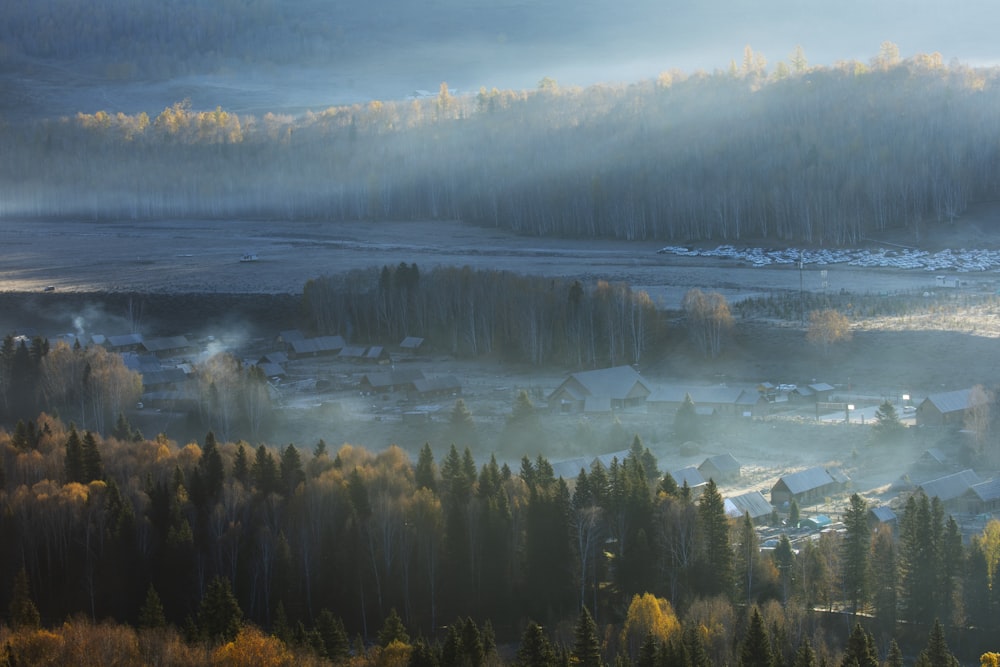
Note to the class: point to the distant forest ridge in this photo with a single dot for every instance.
(799, 154)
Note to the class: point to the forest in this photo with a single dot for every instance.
(794, 153)
(325, 551)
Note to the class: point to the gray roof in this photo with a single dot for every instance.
(752, 502)
(883, 513)
(163, 377)
(125, 340)
(807, 480)
(374, 352)
(951, 486)
(445, 383)
(166, 343)
(606, 459)
(274, 358)
(143, 363)
(714, 394)
(570, 468)
(411, 343)
(724, 463)
(320, 344)
(987, 491)
(821, 386)
(290, 335)
(952, 401)
(353, 351)
(690, 474)
(271, 369)
(616, 382)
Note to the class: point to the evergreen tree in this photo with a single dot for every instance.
(22, 612)
(686, 425)
(211, 469)
(241, 466)
(463, 427)
(472, 644)
(91, 458)
(805, 656)
(425, 473)
(855, 550)
(219, 615)
(895, 655)
(151, 614)
(937, 653)
(793, 513)
(73, 463)
(336, 644)
(535, 649)
(755, 651)
(392, 630)
(884, 578)
(647, 652)
(715, 555)
(422, 654)
(291, 470)
(887, 426)
(265, 472)
(694, 646)
(860, 649)
(586, 644)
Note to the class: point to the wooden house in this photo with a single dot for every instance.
(621, 386)
(807, 486)
(948, 408)
(753, 503)
(951, 488)
(721, 468)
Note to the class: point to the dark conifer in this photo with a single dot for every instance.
(22, 612)
(291, 470)
(586, 644)
(151, 614)
(336, 644)
(536, 649)
(755, 651)
(937, 653)
(425, 473)
(91, 458)
(392, 630)
(219, 615)
(73, 464)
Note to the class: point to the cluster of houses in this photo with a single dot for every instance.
(622, 387)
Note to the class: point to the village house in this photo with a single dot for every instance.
(618, 387)
(807, 486)
(948, 408)
(714, 400)
(881, 516)
(753, 503)
(315, 347)
(950, 488)
(691, 477)
(395, 380)
(167, 346)
(982, 498)
(721, 467)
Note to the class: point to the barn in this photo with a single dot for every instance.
(948, 408)
(622, 386)
(721, 468)
(807, 486)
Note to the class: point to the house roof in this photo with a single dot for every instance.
(392, 378)
(821, 386)
(353, 351)
(411, 343)
(617, 382)
(950, 486)
(714, 394)
(274, 358)
(374, 352)
(934, 455)
(142, 363)
(163, 377)
(570, 468)
(724, 463)
(987, 491)
(271, 369)
(806, 480)
(320, 344)
(125, 340)
(607, 459)
(444, 383)
(883, 513)
(753, 503)
(953, 401)
(690, 474)
(166, 343)
(290, 335)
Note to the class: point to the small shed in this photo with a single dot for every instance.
(721, 468)
(983, 498)
(818, 522)
(950, 488)
(881, 516)
(411, 344)
(691, 477)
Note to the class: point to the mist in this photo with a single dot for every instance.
(294, 56)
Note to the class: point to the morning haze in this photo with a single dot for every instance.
(500, 333)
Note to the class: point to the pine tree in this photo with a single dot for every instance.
(937, 653)
(472, 644)
(241, 466)
(219, 615)
(73, 463)
(755, 651)
(265, 472)
(805, 657)
(586, 645)
(423, 654)
(22, 613)
(895, 655)
(860, 649)
(887, 426)
(392, 630)
(151, 614)
(715, 555)
(425, 473)
(686, 425)
(91, 457)
(536, 649)
(211, 468)
(855, 550)
(291, 470)
(336, 644)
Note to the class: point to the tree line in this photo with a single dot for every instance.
(119, 527)
(805, 154)
(477, 312)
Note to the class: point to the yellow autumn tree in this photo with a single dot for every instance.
(990, 660)
(252, 648)
(827, 327)
(648, 615)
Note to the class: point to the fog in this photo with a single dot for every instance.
(293, 56)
